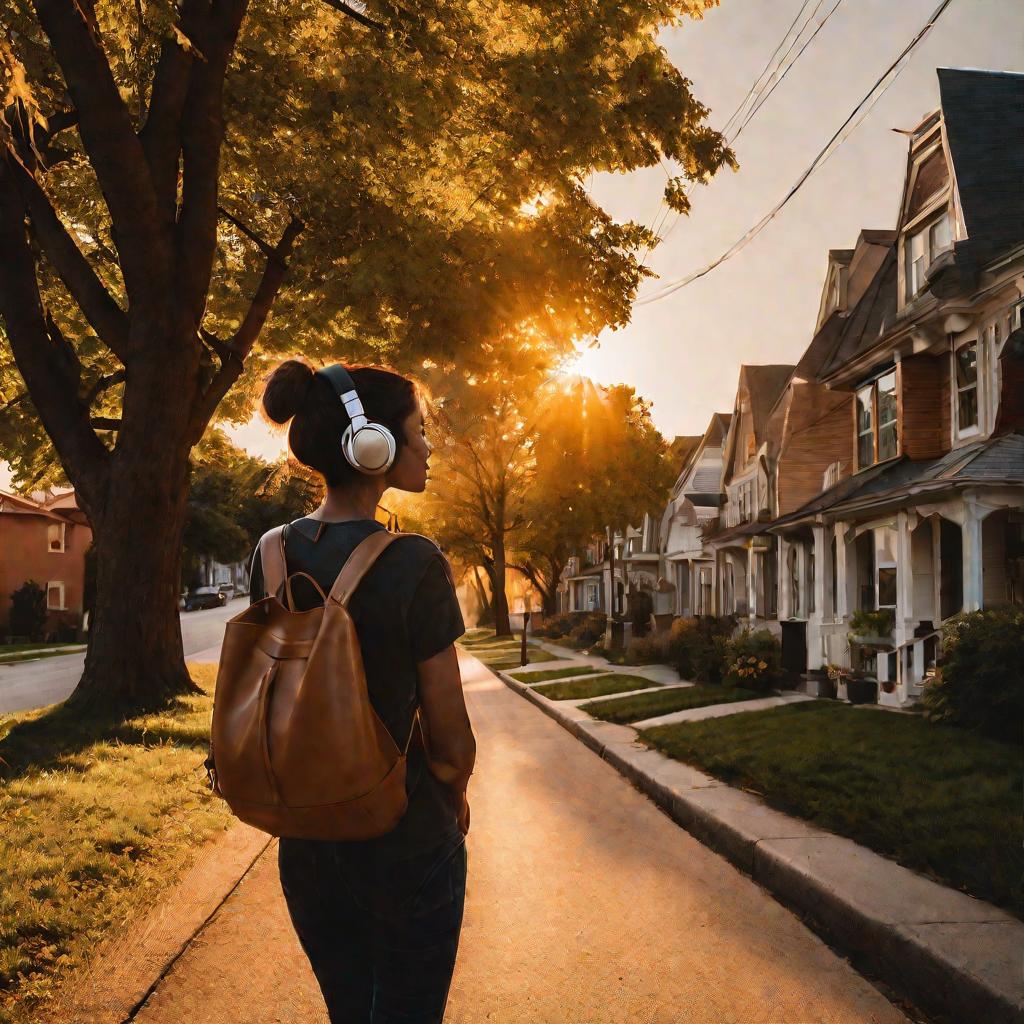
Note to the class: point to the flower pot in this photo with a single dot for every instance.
(821, 687)
(861, 691)
(889, 686)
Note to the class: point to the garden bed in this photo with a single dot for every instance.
(937, 799)
(99, 819)
(647, 705)
(599, 686)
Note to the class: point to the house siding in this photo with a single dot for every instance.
(924, 433)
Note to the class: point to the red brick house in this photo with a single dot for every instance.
(44, 537)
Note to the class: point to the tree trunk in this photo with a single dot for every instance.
(502, 627)
(135, 659)
(484, 612)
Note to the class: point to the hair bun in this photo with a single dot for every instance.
(287, 390)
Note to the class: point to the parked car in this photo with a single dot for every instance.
(229, 590)
(205, 597)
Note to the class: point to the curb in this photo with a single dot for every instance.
(955, 956)
(114, 986)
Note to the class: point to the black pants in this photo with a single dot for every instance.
(381, 933)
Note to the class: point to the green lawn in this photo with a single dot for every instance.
(99, 817)
(16, 648)
(556, 673)
(13, 659)
(940, 800)
(647, 705)
(600, 686)
(505, 660)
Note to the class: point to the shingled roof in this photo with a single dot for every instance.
(983, 113)
(995, 460)
(850, 335)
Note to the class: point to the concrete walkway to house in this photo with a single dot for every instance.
(721, 710)
(585, 903)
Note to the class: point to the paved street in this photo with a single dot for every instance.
(34, 684)
(585, 905)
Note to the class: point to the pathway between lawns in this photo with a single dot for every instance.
(585, 904)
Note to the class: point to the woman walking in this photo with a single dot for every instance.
(380, 918)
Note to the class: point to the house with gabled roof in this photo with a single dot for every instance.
(929, 519)
(686, 568)
(743, 551)
(44, 537)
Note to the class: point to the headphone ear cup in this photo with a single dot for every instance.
(371, 449)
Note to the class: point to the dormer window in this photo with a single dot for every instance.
(921, 247)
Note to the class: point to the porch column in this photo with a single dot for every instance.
(904, 578)
(844, 566)
(751, 584)
(785, 611)
(822, 573)
(973, 580)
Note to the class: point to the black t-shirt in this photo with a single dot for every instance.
(405, 611)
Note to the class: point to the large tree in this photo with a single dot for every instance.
(599, 462)
(419, 169)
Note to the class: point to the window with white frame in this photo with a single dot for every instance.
(877, 423)
(55, 536)
(921, 247)
(965, 368)
(55, 595)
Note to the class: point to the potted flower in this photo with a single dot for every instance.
(853, 684)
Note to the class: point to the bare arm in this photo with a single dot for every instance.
(451, 746)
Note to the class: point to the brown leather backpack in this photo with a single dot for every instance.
(296, 747)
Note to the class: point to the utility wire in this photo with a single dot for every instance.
(862, 109)
(758, 92)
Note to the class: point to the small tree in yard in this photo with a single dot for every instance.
(28, 611)
(160, 164)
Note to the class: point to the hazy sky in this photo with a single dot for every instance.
(684, 352)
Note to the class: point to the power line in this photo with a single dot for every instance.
(862, 108)
(759, 92)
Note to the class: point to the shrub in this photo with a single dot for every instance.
(653, 649)
(754, 660)
(588, 630)
(697, 647)
(28, 611)
(980, 684)
(555, 626)
(868, 623)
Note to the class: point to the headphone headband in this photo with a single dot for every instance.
(368, 447)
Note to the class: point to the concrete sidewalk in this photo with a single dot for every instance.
(585, 905)
(955, 955)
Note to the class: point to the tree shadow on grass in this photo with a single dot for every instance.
(51, 738)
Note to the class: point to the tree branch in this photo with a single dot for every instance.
(103, 384)
(202, 135)
(84, 457)
(104, 315)
(115, 152)
(161, 133)
(234, 353)
(264, 246)
(351, 12)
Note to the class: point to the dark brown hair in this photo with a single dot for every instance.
(294, 392)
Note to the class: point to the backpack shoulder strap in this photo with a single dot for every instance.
(272, 559)
(359, 564)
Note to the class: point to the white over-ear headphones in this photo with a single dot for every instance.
(367, 446)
